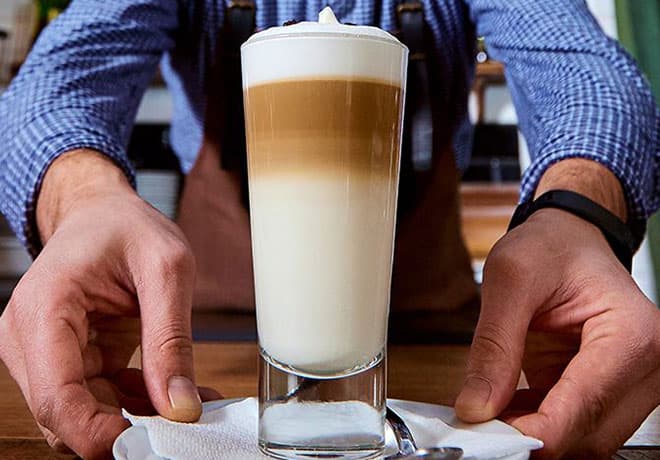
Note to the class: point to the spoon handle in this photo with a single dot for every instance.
(404, 437)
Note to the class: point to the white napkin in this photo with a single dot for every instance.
(433, 425)
(230, 433)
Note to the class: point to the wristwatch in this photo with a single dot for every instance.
(623, 237)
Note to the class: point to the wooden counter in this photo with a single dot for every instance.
(431, 373)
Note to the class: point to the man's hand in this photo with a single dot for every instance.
(557, 302)
(112, 267)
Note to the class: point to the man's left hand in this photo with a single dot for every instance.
(557, 303)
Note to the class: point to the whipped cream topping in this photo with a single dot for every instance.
(326, 25)
(327, 16)
(325, 48)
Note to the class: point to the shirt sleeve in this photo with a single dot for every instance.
(577, 93)
(79, 88)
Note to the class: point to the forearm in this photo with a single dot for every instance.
(78, 89)
(74, 177)
(588, 178)
(577, 94)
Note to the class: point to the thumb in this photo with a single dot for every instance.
(167, 352)
(497, 349)
(604, 389)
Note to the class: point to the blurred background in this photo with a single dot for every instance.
(490, 186)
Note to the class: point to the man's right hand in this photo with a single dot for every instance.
(112, 269)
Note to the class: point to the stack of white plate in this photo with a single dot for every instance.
(14, 259)
(160, 189)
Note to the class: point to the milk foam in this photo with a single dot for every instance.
(318, 49)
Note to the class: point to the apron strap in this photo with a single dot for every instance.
(238, 26)
(417, 142)
(418, 137)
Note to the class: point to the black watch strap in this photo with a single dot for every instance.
(624, 239)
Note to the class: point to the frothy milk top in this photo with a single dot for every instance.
(322, 49)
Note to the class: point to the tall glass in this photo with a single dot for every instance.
(323, 112)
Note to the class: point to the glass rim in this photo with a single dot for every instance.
(329, 35)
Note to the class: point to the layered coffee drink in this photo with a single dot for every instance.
(323, 113)
(323, 134)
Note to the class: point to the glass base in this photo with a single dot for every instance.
(302, 417)
(287, 452)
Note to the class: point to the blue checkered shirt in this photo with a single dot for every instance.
(576, 92)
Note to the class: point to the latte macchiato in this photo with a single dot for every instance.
(323, 114)
(323, 131)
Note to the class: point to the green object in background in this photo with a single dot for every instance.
(49, 9)
(638, 24)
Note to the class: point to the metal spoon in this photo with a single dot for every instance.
(407, 447)
(436, 453)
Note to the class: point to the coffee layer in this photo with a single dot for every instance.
(321, 125)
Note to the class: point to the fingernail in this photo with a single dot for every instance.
(184, 398)
(475, 394)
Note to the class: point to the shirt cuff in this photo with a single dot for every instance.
(35, 147)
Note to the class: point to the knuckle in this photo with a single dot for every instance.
(492, 342)
(642, 345)
(19, 300)
(35, 280)
(638, 345)
(593, 406)
(506, 262)
(497, 256)
(45, 411)
(173, 340)
(39, 302)
(596, 409)
(544, 429)
(24, 288)
(176, 258)
(54, 405)
(97, 445)
(90, 440)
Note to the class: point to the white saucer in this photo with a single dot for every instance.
(140, 449)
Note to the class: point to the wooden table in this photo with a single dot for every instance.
(431, 373)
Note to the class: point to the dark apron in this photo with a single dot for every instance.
(432, 269)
